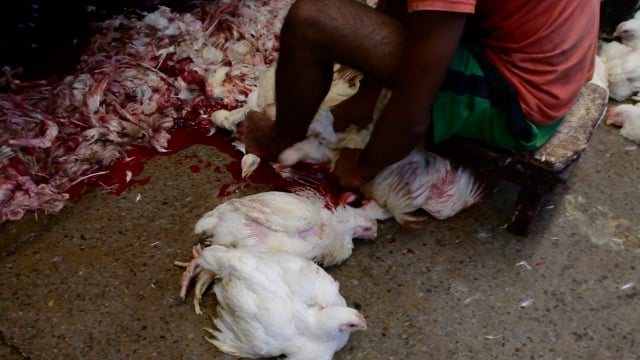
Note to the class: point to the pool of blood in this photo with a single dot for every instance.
(123, 173)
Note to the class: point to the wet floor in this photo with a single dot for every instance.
(98, 282)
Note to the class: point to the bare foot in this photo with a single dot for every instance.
(257, 133)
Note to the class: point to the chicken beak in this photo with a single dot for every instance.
(364, 322)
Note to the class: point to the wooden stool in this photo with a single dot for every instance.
(540, 172)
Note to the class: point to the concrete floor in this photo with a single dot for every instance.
(97, 281)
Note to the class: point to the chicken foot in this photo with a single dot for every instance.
(205, 278)
(192, 269)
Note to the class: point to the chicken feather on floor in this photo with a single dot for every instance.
(274, 303)
(137, 80)
(301, 223)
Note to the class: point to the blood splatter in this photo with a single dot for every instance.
(122, 174)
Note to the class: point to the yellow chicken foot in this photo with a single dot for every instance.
(191, 269)
(205, 278)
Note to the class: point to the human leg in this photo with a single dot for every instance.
(358, 109)
(315, 35)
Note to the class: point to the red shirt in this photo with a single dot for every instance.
(545, 48)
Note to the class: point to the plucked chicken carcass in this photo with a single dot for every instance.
(299, 223)
(426, 181)
(274, 303)
(627, 117)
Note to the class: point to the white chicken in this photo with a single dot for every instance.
(274, 303)
(297, 223)
(629, 32)
(426, 181)
(623, 69)
(627, 117)
(302, 224)
(422, 180)
(249, 162)
(610, 52)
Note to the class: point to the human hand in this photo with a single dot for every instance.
(257, 132)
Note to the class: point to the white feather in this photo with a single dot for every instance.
(623, 69)
(321, 142)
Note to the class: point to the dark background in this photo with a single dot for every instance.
(46, 36)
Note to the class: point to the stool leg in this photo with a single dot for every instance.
(526, 208)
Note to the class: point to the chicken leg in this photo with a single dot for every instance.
(192, 269)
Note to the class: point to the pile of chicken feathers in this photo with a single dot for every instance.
(621, 74)
(137, 80)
